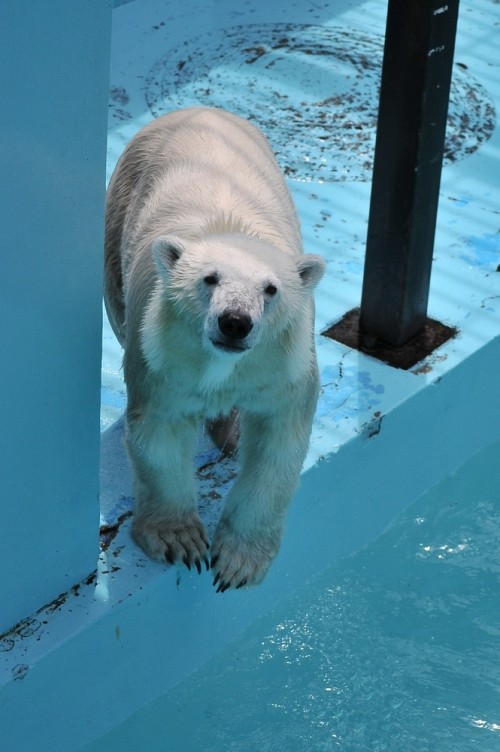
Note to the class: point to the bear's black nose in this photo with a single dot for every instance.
(235, 325)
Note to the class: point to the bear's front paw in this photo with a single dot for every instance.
(240, 560)
(174, 539)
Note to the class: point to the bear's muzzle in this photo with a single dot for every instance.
(233, 328)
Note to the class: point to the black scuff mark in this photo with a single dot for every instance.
(373, 426)
(33, 624)
(108, 533)
(20, 671)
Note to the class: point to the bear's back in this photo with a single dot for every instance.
(196, 164)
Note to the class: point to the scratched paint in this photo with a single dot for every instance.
(346, 392)
(312, 89)
(483, 250)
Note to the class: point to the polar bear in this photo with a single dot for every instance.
(209, 292)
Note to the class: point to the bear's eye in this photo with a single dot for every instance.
(271, 290)
(211, 280)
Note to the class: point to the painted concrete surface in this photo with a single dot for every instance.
(382, 437)
(52, 147)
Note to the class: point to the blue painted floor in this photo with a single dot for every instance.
(319, 112)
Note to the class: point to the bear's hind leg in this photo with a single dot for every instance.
(225, 432)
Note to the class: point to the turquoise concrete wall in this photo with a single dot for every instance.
(54, 68)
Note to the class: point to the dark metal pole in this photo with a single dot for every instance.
(416, 75)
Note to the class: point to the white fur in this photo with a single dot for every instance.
(209, 292)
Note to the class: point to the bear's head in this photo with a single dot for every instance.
(236, 289)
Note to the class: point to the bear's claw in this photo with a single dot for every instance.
(198, 564)
(240, 561)
(182, 540)
(223, 586)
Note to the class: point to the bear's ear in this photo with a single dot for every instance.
(311, 268)
(166, 252)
